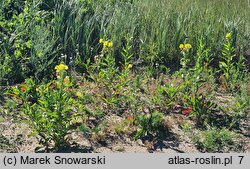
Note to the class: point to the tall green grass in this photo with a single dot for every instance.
(154, 28)
(165, 24)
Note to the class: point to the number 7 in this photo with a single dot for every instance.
(241, 158)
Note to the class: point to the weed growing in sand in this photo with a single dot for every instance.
(51, 109)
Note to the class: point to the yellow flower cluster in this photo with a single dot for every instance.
(228, 35)
(185, 47)
(79, 94)
(130, 66)
(106, 44)
(101, 41)
(61, 67)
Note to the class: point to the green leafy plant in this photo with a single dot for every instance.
(238, 111)
(50, 109)
(232, 69)
(110, 79)
(170, 94)
(227, 64)
(150, 125)
(200, 108)
(195, 69)
(186, 127)
(194, 77)
(214, 140)
(24, 52)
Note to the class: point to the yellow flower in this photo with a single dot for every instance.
(181, 46)
(61, 67)
(66, 80)
(228, 35)
(105, 43)
(130, 66)
(78, 94)
(187, 46)
(110, 44)
(101, 40)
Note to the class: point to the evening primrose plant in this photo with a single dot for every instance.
(103, 71)
(194, 75)
(150, 125)
(226, 64)
(110, 79)
(185, 60)
(54, 110)
(231, 70)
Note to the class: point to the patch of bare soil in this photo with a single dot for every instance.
(14, 138)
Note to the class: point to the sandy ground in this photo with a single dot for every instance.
(14, 138)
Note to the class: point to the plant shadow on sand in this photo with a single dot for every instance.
(70, 148)
(167, 140)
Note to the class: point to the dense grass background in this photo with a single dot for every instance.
(69, 30)
(163, 25)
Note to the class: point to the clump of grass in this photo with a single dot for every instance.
(215, 140)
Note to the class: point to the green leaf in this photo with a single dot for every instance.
(138, 134)
(223, 65)
(83, 128)
(33, 134)
(1, 119)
